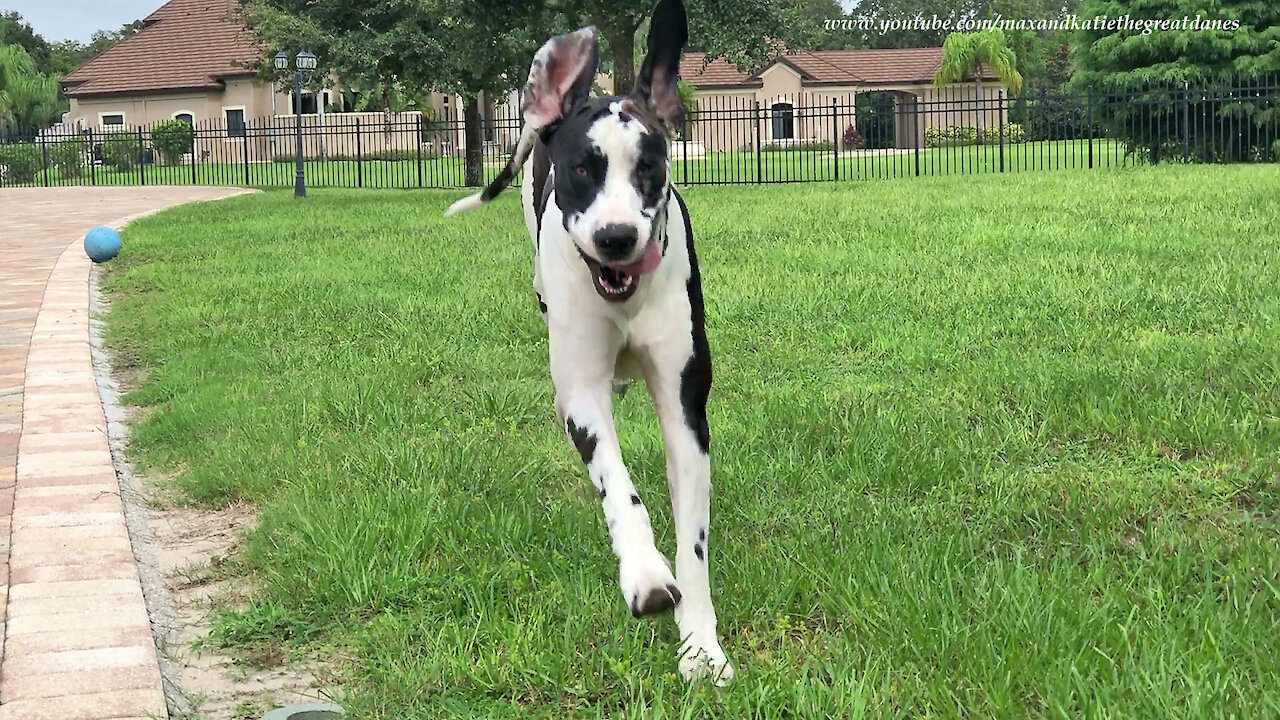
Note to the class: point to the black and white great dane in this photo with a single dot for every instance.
(617, 283)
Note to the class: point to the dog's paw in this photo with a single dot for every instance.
(648, 586)
(620, 387)
(704, 660)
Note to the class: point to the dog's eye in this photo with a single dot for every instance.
(643, 167)
(581, 170)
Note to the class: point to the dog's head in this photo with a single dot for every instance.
(609, 156)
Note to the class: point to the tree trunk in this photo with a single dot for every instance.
(624, 70)
(386, 114)
(474, 141)
(981, 108)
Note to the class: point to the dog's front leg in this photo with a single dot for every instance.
(582, 369)
(679, 379)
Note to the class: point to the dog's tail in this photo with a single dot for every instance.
(500, 183)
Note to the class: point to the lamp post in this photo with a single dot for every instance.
(305, 61)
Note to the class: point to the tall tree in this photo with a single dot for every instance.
(964, 54)
(744, 32)
(16, 31)
(450, 46)
(58, 58)
(1149, 68)
(28, 98)
(806, 26)
(1129, 58)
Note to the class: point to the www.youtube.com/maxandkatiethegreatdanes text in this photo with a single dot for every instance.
(1126, 23)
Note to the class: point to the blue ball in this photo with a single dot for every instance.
(101, 244)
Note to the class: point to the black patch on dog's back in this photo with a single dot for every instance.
(695, 379)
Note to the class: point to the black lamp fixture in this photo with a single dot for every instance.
(304, 62)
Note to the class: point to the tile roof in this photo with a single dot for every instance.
(186, 44)
(852, 67)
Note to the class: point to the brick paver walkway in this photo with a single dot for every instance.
(75, 637)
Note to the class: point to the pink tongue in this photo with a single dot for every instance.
(646, 264)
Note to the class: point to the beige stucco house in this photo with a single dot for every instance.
(809, 96)
(193, 60)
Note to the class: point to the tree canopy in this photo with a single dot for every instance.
(58, 59)
(747, 33)
(1129, 58)
(28, 98)
(964, 53)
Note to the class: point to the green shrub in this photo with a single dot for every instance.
(21, 161)
(391, 155)
(799, 146)
(1275, 152)
(1013, 133)
(852, 139)
(172, 139)
(69, 157)
(122, 151)
(378, 156)
(950, 135)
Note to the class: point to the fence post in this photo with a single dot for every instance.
(918, 133)
(93, 160)
(44, 160)
(1000, 98)
(684, 139)
(244, 145)
(1186, 122)
(835, 137)
(194, 134)
(417, 141)
(359, 158)
(1088, 105)
(759, 164)
(142, 157)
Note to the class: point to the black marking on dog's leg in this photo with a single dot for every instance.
(697, 550)
(583, 439)
(603, 493)
(635, 499)
(541, 305)
(702, 535)
(695, 378)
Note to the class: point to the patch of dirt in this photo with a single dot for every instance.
(194, 551)
(185, 562)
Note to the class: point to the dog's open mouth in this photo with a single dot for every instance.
(616, 283)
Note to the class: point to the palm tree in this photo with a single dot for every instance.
(28, 99)
(965, 53)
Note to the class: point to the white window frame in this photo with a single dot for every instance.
(243, 112)
(323, 98)
(124, 119)
(794, 124)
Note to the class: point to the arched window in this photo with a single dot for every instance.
(784, 127)
(186, 118)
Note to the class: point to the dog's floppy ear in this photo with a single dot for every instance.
(559, 78)
(656, 85)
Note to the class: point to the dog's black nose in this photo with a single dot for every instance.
(616, 242)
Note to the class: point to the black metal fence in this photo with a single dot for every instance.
(816, 136)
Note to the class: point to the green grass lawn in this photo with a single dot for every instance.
(803, 165)
(984, 446)
(715, 168)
